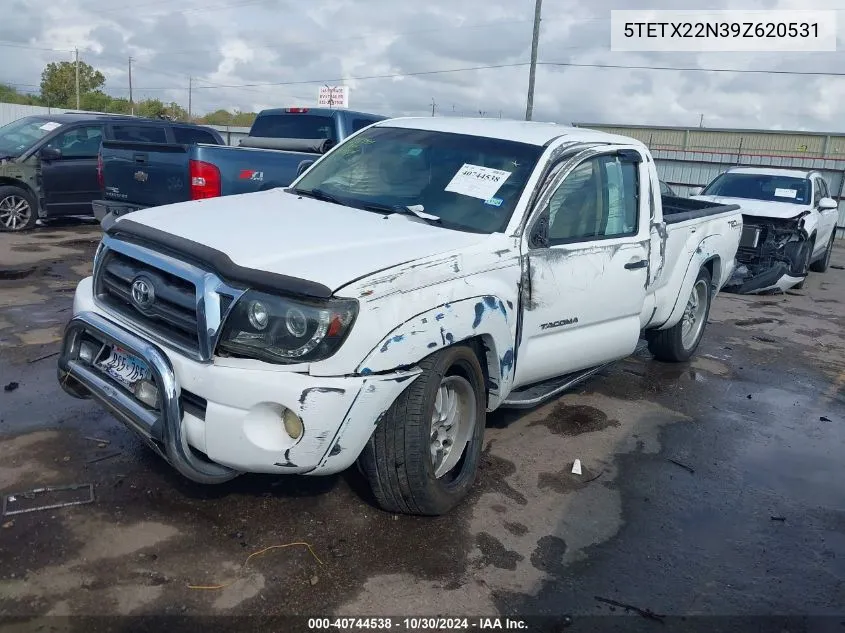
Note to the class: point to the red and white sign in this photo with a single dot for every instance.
(333, 97)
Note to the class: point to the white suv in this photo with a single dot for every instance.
(789, 222)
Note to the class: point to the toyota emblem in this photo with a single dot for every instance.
(143, 294)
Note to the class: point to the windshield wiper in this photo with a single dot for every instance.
(414, 210)
(319, 194)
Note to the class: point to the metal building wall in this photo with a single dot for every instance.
(692, 157)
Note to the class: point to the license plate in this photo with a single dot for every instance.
(124, 367)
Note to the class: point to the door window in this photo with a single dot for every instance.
(598, 199)
(79, 142)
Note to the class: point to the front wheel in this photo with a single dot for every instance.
(17, 209)
(423, 456)
(804, 267)
(678, 343)
(821, 265)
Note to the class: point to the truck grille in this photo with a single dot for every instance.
(163, 304)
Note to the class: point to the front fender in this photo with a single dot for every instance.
(488, 318)
(810, 223)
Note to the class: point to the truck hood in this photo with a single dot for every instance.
(282, 233)
(761, 208)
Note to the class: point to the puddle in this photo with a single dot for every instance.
(575, 419)
(756, 321)
(9, 274)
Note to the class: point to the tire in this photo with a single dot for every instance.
(17, 210)
(805, 266)
(398, 460)
(678, 343)
(821, 265)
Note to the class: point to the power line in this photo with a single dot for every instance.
(385, 76)
(741, 71)
(229, 5)
(35, 48)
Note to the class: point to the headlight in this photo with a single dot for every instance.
(280, 330)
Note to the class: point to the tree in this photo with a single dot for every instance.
(155, 109)
(96, 101)
(9, 94)
(218, 117)
(243, 119)
(58, 83)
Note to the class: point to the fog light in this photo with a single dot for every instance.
(87, 352)
(293, 424)
(147, 393)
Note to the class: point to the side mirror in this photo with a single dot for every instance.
(828, 203)
(695, 191)
(50, 153)
(303, 166)
(539, 237)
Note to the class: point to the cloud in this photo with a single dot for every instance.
(221, 43)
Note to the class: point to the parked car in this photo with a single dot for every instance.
(281, 144)
(423, 273)
(48, 163)
(789, 222)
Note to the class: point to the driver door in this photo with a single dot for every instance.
(70, 182)
(587, 278)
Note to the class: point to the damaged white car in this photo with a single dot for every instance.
(789, 224)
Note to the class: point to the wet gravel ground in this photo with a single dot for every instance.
(711, 488)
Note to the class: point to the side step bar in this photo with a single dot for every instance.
(541, 392)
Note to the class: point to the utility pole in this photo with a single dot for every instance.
(535, 40)
(433, 106)
(701, 121)
(76, 53)
(131, 102)
(190, 86)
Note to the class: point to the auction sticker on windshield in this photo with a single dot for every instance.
(786, 193)
(478, 182)
(50, 126)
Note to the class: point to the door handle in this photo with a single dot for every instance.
(635, 265)
(140, 158)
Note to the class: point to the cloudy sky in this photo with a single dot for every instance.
(296, 44)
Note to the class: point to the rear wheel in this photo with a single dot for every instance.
(821, 265)
(17, 209)
(679, 342)
(423, 456)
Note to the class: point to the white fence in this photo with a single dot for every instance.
(12, 111)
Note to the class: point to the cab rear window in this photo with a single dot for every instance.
(294, 125)
(140, 133)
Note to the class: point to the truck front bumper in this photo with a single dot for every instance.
(214, 421)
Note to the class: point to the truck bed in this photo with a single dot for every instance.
(677, 209)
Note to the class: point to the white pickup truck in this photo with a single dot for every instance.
(789, 225)
(421, 274)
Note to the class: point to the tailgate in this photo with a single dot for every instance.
(146, 174)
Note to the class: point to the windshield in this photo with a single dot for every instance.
(20, 135)
(470, 183)
(767, 187)
(294, 125)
